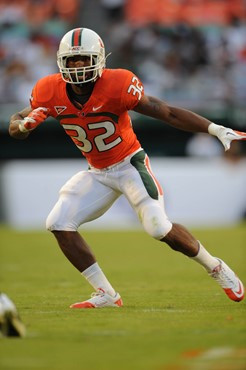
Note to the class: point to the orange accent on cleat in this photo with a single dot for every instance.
(119, 302)
(235, 296)
(229, 281)
(100, 299)
(84, 304)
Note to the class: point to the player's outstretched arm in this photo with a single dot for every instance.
(178, 117)
(186, 120)
(22, 123)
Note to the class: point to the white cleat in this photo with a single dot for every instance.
(100, 299)
(227, 279)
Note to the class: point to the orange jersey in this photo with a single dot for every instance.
(102, 129)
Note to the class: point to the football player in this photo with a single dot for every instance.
(91, 103)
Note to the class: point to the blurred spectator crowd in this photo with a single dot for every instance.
(30, 31)
(194, 63)
(189, 57)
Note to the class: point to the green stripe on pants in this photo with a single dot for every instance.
(138, 162)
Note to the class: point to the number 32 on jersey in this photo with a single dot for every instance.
(81, 141)
(80, 137)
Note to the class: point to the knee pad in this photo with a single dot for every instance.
(59, 218)
(155, 221)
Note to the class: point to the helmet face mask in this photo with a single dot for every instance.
(81, 42)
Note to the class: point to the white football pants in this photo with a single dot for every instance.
(89, 194)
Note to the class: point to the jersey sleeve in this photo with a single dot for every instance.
(33, 100)
(42, 93)
(132, 91)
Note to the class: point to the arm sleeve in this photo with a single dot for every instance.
(132, 91)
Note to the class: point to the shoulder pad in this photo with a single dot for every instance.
(45, 88)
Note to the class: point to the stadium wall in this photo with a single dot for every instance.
(197, 192)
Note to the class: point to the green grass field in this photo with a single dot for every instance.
(174, 316)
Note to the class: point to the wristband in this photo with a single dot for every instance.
(22, 127)
(214, 129)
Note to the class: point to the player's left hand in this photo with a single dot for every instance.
(230, 135)
(226, 135)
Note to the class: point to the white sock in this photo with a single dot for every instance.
(95, 276)
(205, 259)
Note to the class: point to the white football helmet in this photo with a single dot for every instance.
(84, 42)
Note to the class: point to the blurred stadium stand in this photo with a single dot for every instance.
(191, 53)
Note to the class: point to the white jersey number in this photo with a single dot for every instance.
(135, 88)
(85, 145)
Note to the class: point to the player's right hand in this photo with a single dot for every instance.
(33, 119)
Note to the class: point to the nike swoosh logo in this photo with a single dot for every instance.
(230, 133)
(240, 291)
(96, 108)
